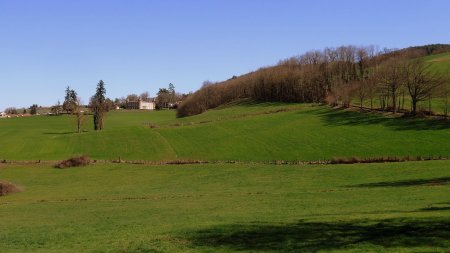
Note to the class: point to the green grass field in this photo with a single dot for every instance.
(219, 207)
(247, 132)
(401, 207)
(440, 62)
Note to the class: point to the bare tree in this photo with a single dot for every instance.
(392, 79)
(56, 109)
(420, 82)
(314, 77)
(362, 92)
(11, 110)
(132, 97)
(80, 115)
(144, 96)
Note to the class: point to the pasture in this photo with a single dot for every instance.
(244, 132)
(247, 206)
(220, 208)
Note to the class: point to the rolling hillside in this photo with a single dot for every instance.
(440, 62)
(244, 131)
(223, 207)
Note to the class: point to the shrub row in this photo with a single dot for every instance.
(351, 160)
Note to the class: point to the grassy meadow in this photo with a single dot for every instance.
(219, 207)
(401, 207)
(440, 62)
(246, 131)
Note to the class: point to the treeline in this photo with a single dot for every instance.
(334, 76)
(166, 98)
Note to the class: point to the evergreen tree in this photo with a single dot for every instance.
(171, 88)
(70, 100)
(98, 105)
(33, 109)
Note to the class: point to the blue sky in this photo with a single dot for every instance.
(137, 46)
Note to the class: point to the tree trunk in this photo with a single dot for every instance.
(394, 102)
(403, 100)
(414, 107)
(79, 123)
(446, 107)
(95, 120)
(429, 104)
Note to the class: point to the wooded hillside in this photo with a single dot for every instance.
(334, 76)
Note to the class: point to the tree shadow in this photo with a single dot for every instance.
(59, 133)
(339, 117)
(314, 236)
(403, 183)
(254, 103)
(437, 207)
(65, 133)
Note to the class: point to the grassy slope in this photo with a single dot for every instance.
(252, 132)
(310, 133)
(440, 62)
(126, 208)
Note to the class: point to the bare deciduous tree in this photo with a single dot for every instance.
(80, 115)
(392, 78)
(420, 82)
(144, 96)
(332, 75)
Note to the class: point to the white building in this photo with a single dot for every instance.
(141, 105)
(2, 115)
(144, 105)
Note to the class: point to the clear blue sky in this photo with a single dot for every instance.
(137, 46)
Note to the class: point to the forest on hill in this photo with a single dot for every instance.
(336, 76)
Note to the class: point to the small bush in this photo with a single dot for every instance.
(74, 162)
(7, 188)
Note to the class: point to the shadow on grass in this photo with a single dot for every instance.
(253, 103)
(338, 117)
(314, 236)
(403, 183)
(59, 133)
(64, 133)
(437, 207)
